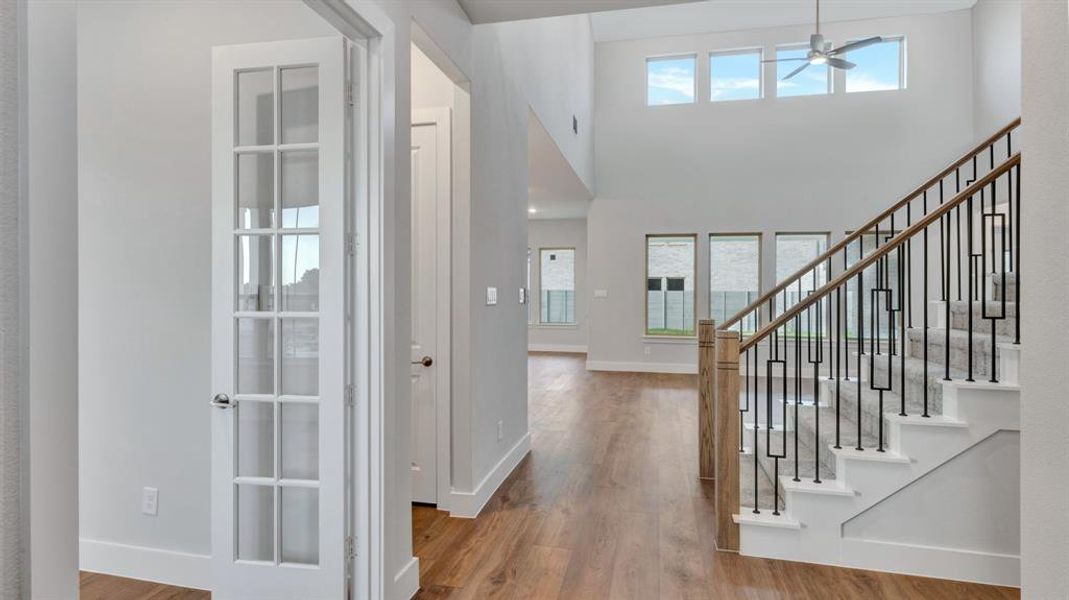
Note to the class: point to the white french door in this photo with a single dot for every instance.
(279, 527)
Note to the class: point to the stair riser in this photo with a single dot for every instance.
(805, 456)
(959, 355)
(915, 384)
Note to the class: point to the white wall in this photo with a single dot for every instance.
(1044, 378)
(144, 156)
(823, 163)
(558, 233)
(53, 300)
(996, 26)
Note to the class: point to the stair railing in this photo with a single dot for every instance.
(796, 368)
(950, 180)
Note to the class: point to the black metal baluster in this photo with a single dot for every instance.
(838, 357)
(797, 382)
(756, 426)
(924, 306)
(1017, 260)
(861, 344)
(968, 246)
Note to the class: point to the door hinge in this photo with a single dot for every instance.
(349, 96)
(350, 547)
(350, 394)
(350, 244)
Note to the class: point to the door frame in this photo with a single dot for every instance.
(369, 184)
(442, 120)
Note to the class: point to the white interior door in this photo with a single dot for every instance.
(279, 524)
(424, 313)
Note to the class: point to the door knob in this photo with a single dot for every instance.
(221, 401)
(426, 361)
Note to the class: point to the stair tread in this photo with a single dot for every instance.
(870, 454)
(765, 518)
(831, 487)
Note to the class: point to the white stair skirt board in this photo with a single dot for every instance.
(406, 582)
(147, 564)
(945, 457)
(468, 505)
(565, 348)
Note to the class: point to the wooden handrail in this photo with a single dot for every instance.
(872, 223)
(891, 244)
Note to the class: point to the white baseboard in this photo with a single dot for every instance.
(468, 505)
(642, 367)
(406, 582)
(569, 348)
(148, 564)
(927, 561)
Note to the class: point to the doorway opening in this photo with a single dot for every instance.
(440, 178)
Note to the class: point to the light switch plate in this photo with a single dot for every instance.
(491, 296)
(523, 295)
(150, 501)
(601, 293)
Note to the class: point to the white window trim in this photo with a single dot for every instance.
(902, 70)
(758, 50)
(694, 80)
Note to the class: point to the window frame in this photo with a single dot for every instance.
(694, 79)
(758, 50)
(800, 46)
(760, 263)
(902, 70)
(550, 324)
(693, 291)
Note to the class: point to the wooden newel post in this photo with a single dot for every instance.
(726, 417)
(706, 391)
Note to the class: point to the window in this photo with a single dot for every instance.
(557, 284)
(670, 288)
(794, 251)
(879, 67)
(735, 75)
(883, 275)
(734, 277)
(670, 80)
(813, 80)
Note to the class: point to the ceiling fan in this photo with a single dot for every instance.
(821, 52)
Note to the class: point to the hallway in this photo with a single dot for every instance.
(608, 505)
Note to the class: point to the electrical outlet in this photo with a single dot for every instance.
(500, 430)
(150, 501)
(646, 350)
(601, 293)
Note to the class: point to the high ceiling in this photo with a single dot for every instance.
(554, 190)
(493, 11)
(733, 15)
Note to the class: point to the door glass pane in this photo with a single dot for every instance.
(300, 357)
(256, 356)
(256, 108)
(300, 440)
(300, 189)
(256, 190)
(300, 525)
(256, 273)
(256, 439)
(557, 280)
(300, 104)
(256, 522)
(300, 272)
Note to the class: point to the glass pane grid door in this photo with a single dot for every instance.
(276, 319)
(279, 297)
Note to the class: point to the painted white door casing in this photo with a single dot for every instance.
(279, 525)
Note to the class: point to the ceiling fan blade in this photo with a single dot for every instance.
(795, 72)
(839, 63)
(772, 60)
(856, 45)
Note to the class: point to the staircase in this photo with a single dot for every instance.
(880, 429)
